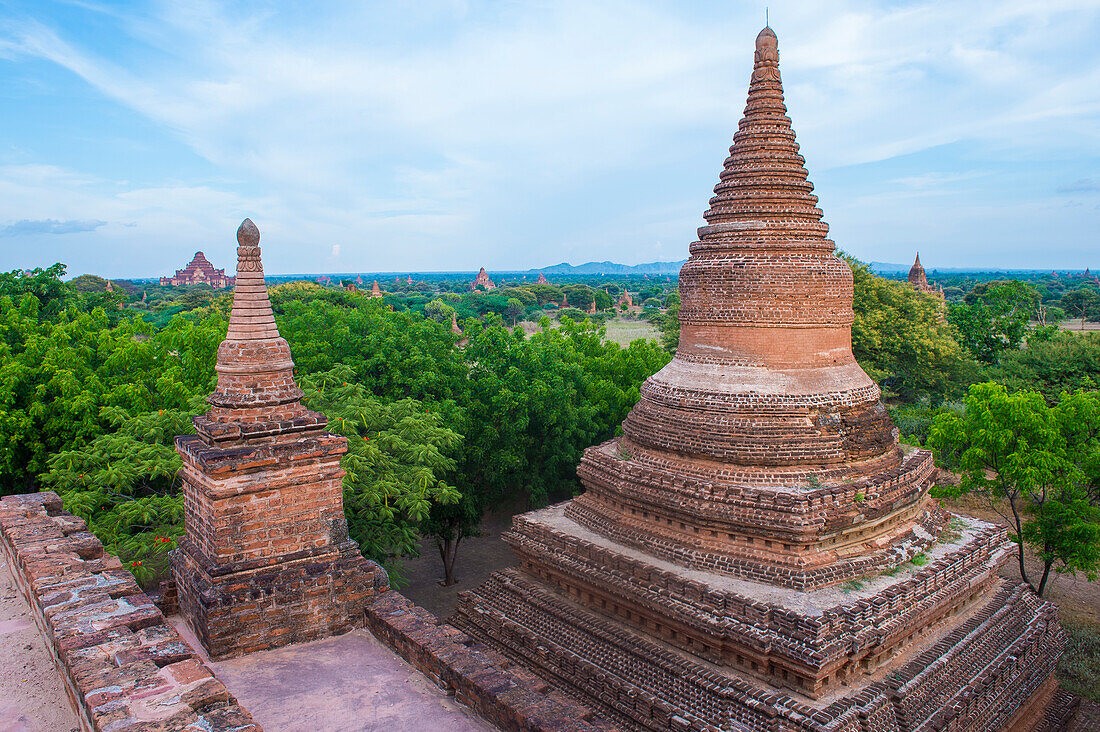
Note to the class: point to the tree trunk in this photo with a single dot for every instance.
(1046, 575)
(1020, 543)
(448, 551)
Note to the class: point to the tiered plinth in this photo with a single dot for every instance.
(658, 646)
(267, 559)
(757, 551)
(708, 517)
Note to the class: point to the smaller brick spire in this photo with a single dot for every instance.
(255, 370)
(251, 318)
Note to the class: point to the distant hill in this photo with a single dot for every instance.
(888, 267)
(596, 268)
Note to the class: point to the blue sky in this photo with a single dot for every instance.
(450, 135)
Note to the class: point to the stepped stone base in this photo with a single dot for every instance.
(241, 612)
(656, 646)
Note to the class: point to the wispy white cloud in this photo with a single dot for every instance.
(437, 134)
(50, 226)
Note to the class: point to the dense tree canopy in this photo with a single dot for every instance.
(994, 317)
(900, 337)
(1065, 361)
(94, 385)
(92, 398)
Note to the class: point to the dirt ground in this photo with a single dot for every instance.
(32, 697)
(477, 558)
(1078, 325)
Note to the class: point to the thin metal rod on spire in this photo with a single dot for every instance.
(767, 20)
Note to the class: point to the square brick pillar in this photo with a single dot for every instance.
(266, 559)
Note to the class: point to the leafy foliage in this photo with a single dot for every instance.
(1064, 362)
(1042, 461)
(90, 401)
(124, 484)
(900, 337)
(398, 458)
(994, 317)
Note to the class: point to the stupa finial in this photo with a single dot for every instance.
(247, 234)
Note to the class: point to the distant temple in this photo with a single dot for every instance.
(626, 302)
(542, 280)
(918, 280)
(374, 290)
(199, 272)
(483, 280)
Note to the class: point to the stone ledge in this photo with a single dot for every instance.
(507, 695)
(124, 667)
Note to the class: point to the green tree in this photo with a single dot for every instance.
(88, 283)
(1083, 303)
(398, 462)
(580, 296)
(1042, 461)
(45, 285)
(124, 484)
(545, 293)
(994, 317)
(669, 322)
(439, 311)
(523, 294)
(900, 337)
(514, 310)
(1064, 362)
(602, 299)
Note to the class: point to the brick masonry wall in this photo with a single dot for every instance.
(124, 667)
(992, 668)
(502, 692)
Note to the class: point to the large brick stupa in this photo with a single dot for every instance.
(266, 559)
(757, 551)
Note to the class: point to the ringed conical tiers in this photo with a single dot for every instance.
(256, 395)
(693, 586)
(763, 417)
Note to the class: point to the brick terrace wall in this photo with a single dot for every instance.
(507, 695)
(124, 667)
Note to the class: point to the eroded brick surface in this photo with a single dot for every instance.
(694, 585)
(124, 667)
(266, 559)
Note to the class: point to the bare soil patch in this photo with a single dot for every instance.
(32, 694)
